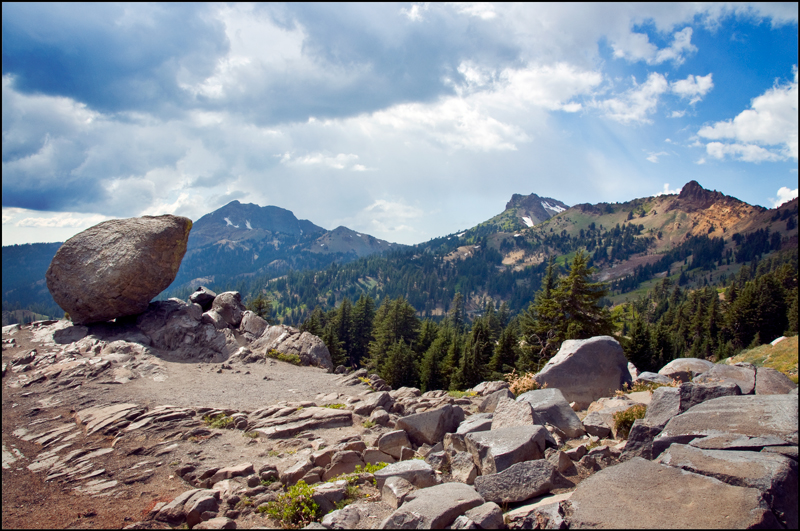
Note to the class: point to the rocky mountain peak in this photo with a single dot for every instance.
(532, 209)
(694, 197)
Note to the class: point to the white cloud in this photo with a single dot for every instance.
(338, 162)
(484, 10)
(784, 195)
(637, 47)
(415, 11)
(62, 220)
(677, 114)
(637, 103)
(667, 191)
(771, 121)
(692, 88)
(653, 157)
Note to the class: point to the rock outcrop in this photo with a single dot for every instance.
(115, 268)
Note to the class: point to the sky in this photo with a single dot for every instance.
(403, 121)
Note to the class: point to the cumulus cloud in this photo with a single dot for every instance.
(637, 47)
(636, 104)
(653, 157)
(784, 194)
(770, 121)
(693, 88)
(667, 191)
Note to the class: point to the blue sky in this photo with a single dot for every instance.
(404, 121)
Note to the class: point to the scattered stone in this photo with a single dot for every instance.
(477, 422)
(496, 450)
(393, 442)
(373, 456)
(595, 425)
(463, 468)
(652, 377)
(394, 491)
(289, 340)
(434, 507)
(220, 522)
(550, 407)
(116, 267)
(415, 471)
(517, 482)
(545, 513)
(489, 403)
(586, 369)
(487, 516)
(343, 462)
(489, 388)
(742, 375)
(560, 460)
(772, 382)
(429, 427)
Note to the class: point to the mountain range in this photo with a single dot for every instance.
(243, 246)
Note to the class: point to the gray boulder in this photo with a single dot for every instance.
(586, 369)
(652, 377)
(228, 305)
(393, 442)
(487, 516)
(394, 491)
(596, 426)
(289, 340)
(517, 482)
(751, 415)
(463, 468)
(429, 427)
(510, 413)
(648, 495)
(774, 475)
(640, 440)
(476, 422)
(743, 375)
(550, 407)
(772, 382)
(489, 403)
(252, 324)
(415, 471)
(684, 369)
(203, 296)
(434, 507)
(488, 388)
(494, 451)
(670, 401)
(116, 267)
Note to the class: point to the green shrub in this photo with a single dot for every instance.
(368, 424)
(461, 394)
(220, 421)
(335, 406)
(623, 420)
(294, 359)
(251, 434)
(294, 508)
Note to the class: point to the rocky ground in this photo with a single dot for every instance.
(104, 428)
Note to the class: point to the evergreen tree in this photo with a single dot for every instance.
(505, 354)
(363, 315)
(477, 352)
(261, 306)
(394, 321)
(400, 369)
(331, 340)
(457, 314)
(639, 349)
(578, 299)
(539, 323)
(315, 323)
(343, 321)
(432, 376)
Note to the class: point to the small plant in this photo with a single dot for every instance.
(623, 420)
(643, 385)
(219, 421)
(294, 508)
(368, 424)
(371, 468)
(273, 453)
(294, 359)
(250, 434)
(244, 502)
(334, 406)
(522, 383)
(267, 482)
(462, 394)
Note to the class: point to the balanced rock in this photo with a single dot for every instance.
(586, 369)
(116, 267)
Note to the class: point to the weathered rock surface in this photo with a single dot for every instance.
(648, 495)
(670, 401)
(203, 296)
(743, 375)
(772, 382)
(510, 413)
(429, 427)
(586, 369)
(517, 482)
(477, 422)
(116, 267)
(751, 415)
(550, 407)
(774, 475)
(415, 471)
(489, 403)
(434, 507)
(496, 450)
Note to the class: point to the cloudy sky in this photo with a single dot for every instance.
(404, 121)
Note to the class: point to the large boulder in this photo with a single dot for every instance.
(429, 427)
(774, 475)
(229, 307)
(415, 471)
(586, 369)
(646, 495)
(670, 401)
(289, 340)
(550, 407)
(750, 415)
(510, 413)
(772, 382)
(434, 507)
(743, 375)
(116, 267)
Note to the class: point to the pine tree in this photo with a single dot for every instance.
(639, 349)
(539, 323)
(261, 306)
(314, 324)
(431, 369)
(394, 321)
(506, 352)
(363, 315)
(578, 301)
(343, 321)
(399, 369)
(331, 340)
(476, 355)
(457, 314)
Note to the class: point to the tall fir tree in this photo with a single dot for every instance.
(363, 315)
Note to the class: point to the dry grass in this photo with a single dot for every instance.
(522, 383)
(781, 357)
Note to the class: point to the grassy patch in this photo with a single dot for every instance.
(250, 434)
(462, 394)
(368, 424)
(294, 359)
(623, 420)
(781, 357)
(642, 385)
(221, 421)
(295, 508)
(335, 406)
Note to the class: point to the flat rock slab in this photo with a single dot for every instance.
(496, 450)
(643, 494)
(415, 471)
(518, 482)
(510, 413)
(773, 475)
(311, 418)
(751, 415)
(684, 369)
(476, 422)
(550, 407)
(772, 382)
(744, 377)
(434, 507)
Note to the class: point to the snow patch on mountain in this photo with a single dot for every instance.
(556, 208)
(527, 221)
(229, 222)
(247, 224)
